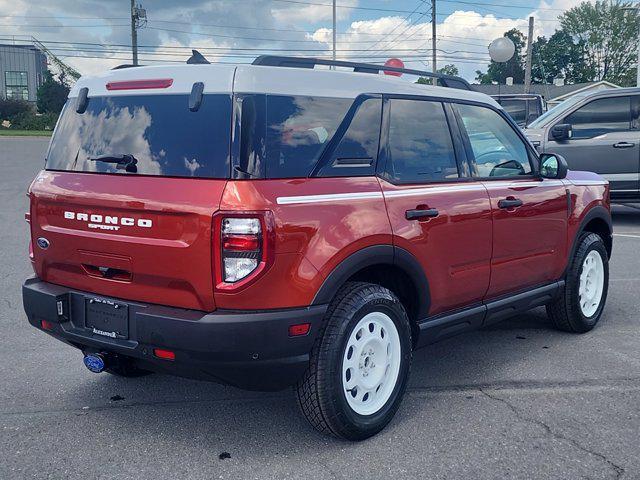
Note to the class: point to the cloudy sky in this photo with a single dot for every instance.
(94, 35)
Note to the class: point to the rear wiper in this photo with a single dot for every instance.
(125, 162)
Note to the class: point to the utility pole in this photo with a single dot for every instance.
(138, 20)
(334, 30)
(434, 66)
(134, 33)
(527, 72)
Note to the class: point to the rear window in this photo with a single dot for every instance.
(517, 109)
(159, 131)
(284, 136)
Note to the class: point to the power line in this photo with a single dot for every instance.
(420, 4)
(478, 4)
(62, 26)
(352, 7)
(75, 46)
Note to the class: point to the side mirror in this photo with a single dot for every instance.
(562, 131)
(553, 165)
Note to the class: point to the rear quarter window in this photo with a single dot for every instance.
(161, 133)
(284, 136)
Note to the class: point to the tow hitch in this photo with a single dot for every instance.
(94, 362)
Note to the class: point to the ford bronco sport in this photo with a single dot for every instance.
(267, 225)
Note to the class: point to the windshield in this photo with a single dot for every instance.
(553, 112)
(156, 134)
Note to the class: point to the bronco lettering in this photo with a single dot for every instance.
(108, 222)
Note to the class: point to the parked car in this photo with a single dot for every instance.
(524, 108)
(265, 226)
(598, 132)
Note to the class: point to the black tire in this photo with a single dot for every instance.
(565, 311)
(124, 367)
(320, 392)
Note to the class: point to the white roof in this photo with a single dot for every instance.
(264, 79)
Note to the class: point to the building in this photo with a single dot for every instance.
(553, 94)
(22, 70)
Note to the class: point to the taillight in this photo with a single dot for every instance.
(244, 247)
(241, 247)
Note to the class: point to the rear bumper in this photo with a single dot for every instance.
(250, 350)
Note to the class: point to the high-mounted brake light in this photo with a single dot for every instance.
(140, 84)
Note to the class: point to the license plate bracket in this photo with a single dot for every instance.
(107, 318)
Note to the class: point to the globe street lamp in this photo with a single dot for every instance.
(501, 49)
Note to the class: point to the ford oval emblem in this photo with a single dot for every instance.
(43, 243)
(94, 362)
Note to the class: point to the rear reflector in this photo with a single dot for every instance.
(299, 330)
(140, 84)
(164, 354)
(46, 325)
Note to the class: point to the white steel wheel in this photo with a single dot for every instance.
(371, 363)
(591, 283)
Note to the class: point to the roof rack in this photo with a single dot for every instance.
(306, 62)
(126, 65)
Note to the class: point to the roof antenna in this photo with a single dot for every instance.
(197, 57)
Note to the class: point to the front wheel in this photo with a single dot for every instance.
(580, 306)
(360, 364)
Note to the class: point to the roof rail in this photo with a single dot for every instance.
(126, 65)
(307, 62)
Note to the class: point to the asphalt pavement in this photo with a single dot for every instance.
(519, 400)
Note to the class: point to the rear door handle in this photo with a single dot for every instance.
(419, 213)
(623, 145)
(510, 202)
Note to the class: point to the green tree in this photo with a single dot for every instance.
(499, 71)
(449, 69)
(51, 94)
(561, 56)
(609, 35)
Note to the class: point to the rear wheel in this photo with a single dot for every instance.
(359, 365)
(585, 293)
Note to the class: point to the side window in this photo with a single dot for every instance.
(601, 116)
(420, 145)
(298, 129)
(497, 149)
(361, 138)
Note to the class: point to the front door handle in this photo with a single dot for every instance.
(418, 213)
(623, 145)
(510, 202)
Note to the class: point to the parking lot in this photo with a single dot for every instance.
(518, 400)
